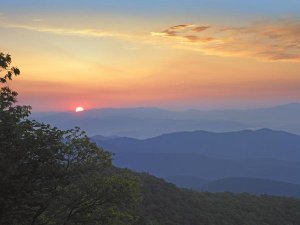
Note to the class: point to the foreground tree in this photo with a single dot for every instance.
(49, 176)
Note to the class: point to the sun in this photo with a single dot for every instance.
(79, 109)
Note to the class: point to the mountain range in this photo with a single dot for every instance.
(150, 122)
(199, 158)
(218, 150)
(245, 144)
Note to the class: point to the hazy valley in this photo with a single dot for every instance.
(214, 150)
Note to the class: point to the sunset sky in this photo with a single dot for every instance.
(176, 54)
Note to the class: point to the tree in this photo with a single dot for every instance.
(50, 176)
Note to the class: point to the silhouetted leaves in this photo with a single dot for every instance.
(9, 72)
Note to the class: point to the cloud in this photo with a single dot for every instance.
(200, 28)
(276, 40)
(194, 38)
(180, 27)
(172, 31)
(67, 31)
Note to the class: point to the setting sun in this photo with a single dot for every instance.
(79, 109)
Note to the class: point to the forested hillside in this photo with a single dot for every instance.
(164, 204)
(254, 186)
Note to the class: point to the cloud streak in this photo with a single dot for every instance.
(272, 41)
(278, 40)
(69, 31)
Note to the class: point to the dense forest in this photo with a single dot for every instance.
(165, 204)
(54, 177)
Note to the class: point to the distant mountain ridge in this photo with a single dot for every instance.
(263, 143)
(168, 165)
(251, 185)
(254, 186)
(190, 182)
(150, 122)
(189, 159)
(195, 148)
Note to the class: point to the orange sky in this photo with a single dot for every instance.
(71, 58)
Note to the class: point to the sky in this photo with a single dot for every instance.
(176, 54)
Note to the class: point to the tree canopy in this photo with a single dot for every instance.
(165, 204)
(50, 176)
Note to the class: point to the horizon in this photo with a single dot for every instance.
(171, 109)
(167, 54)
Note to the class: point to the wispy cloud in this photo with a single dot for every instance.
(277, 40)
(173, 31)
(274, 41)
(87, 32)
(200, 28)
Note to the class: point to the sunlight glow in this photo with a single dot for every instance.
(79, 109)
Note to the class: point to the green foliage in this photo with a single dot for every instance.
(165, 204)
(49, 176)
